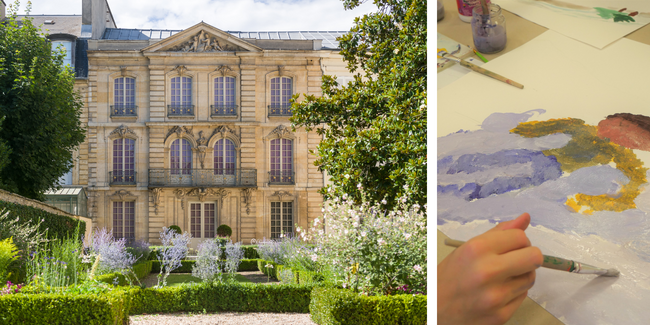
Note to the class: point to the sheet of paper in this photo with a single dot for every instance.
(487, 174)
(595, 22)
(452, 47)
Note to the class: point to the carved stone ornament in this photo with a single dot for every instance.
(201, 150)
(121, 194)
(282, 194)
(203, 42)
(280, 70)
(122, 131)
(180, 131)
(224, 131)
(181, 69)
(156, 197)
(247, 196)
(281, 132)
(123, 69)
(224, 69)
(179, 195)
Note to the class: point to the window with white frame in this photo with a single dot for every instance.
(181, 97)
(124, 219)
(224, 157)
(281, 92)
(281, 219)
(281, 167)
(224, 96)
(202, 220)
(123, 161)
(123, 97)
(181, 157)
(66, 46)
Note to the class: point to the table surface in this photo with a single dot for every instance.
(520, 31)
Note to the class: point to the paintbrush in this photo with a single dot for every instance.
(558, 263)
(478, 69)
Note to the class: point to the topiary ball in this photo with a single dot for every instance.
(224, 231)
(176, 229)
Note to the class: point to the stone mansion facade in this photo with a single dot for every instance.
(191, 127)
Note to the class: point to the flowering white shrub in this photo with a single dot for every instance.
(290, 251)
(208, 265)
(371, 249)
(173, 250)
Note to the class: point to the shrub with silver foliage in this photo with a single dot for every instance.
(113, 254)
(173, 250)
(208, 266)
(234, 255)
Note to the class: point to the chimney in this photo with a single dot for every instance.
(2, 9)
(93, 16)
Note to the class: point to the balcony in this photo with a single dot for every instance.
(223, 110)
(169, 177)
(180, 110)
(280, 110)
(124, 110)
(282, 177)
(122, 177)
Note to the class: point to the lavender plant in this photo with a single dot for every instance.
(140, 249)
(273, 250)
(234, 255)
(173, 250)
(208, 266)
(47, 273)
(111, 252)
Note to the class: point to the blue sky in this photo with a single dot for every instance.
(242, 15)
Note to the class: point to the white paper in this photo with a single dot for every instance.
(580, 20)
(562, 78)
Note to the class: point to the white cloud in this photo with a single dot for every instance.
(242, 15)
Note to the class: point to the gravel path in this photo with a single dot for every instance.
(224, 318)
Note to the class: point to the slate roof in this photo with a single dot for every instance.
(328, 37)
(63, 24)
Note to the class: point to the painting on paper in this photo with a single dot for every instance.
(585, 189)
(595, 22)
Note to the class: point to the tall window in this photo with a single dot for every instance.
(67, 47)
(124, 96)
(281, 161)
(281, 218)
(202, 220)
(224, 96)
(181, 96)
(281, 92)
(124, 220)
(181, 157)
(224, 157)
(123, 161)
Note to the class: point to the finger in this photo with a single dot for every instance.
(515, 286)
(520, 222)
(501, 242)
(521, 261)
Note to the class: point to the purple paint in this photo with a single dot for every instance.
(489, 38)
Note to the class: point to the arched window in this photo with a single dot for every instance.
(224, 157)
(123, 161)
(181, 157)
(224, 96)
(66, 47)
(281, 161)
(181, 100)
(281, 92)
(124, 97)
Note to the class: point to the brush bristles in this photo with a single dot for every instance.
(612, 272)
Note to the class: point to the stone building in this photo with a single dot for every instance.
(191, 127)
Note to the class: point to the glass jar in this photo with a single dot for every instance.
(465, 9)
(489, 33)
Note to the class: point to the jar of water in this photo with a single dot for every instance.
(489, 31)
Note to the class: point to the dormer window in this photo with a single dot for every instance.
(66, 47)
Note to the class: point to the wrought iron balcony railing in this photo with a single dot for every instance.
(282, 177)
(180, 110)
(171, 177)
(280, 110)
(122, 177)
(124, 110)
(223, 110)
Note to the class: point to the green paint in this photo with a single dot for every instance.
(613, 14)
(553, 260)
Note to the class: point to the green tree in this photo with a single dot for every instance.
(374, 128)
(41, 109)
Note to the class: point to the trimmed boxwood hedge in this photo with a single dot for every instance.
(187, 265)
(141, 270)
(334, 306)
(58, 227)
(250, 252)
(115, 306)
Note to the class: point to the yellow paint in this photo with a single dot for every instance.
(586, 149)
(441, 49)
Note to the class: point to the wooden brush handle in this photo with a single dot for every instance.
(490, 74)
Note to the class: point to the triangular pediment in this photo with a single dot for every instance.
(202, 38)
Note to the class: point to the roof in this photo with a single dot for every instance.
(328, 37)
(63, 24)
(65, 191)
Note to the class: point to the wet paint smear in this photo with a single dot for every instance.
(628, 130)
(586, 148)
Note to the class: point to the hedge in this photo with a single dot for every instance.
(334, 306)
(141, 270)
(187, 265)
(58, 227)
(270, 271)
(250, 252)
